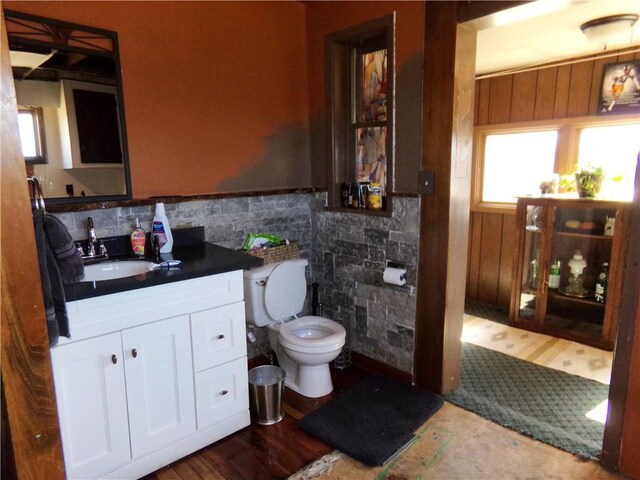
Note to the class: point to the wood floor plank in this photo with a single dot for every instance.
(167, 473)
(240, 458)
(185, 472)
(297, 436)
(204, 469)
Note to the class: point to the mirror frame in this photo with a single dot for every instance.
(15, 38)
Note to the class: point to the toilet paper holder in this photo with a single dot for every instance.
(394, 278)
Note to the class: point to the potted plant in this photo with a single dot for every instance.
(589, 181)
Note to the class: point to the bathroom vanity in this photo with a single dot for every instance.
(156, 367)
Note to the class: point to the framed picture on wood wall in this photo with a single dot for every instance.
(620, 89)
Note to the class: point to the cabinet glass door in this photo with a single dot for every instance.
(533, 256)
(580, 251)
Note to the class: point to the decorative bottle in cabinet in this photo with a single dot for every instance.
(554, 275)
(601, 283)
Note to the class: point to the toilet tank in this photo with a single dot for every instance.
(254, 288)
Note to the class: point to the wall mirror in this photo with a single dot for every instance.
(70, 108)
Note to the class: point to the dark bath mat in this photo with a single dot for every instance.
(373, 420)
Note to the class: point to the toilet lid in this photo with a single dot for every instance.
(285, 291)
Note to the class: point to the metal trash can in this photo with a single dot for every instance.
(266, 386)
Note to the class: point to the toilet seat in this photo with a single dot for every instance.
(298, 335)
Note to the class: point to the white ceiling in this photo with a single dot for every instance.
(544, 31)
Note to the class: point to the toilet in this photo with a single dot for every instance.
(274, 296)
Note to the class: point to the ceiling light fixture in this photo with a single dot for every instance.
(610, 30)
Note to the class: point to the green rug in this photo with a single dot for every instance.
(539, 402)
(488, 312)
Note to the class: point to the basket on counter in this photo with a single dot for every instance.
(277, 254)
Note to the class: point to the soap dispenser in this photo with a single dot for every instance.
(138, 239)
(160, 228)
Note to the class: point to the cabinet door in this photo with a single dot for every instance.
(92, 407)
(218, 335)
(529, 276)
(159, 376)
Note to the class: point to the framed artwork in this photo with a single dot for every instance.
(620, 89)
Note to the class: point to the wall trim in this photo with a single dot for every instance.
(178, 199)
(359, 360)
(374, 366)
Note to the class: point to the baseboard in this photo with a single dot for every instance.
(359, 360)
(374, 366)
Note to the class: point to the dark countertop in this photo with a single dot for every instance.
(197, 261)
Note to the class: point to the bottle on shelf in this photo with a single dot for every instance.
(533, 273)
(554, 275)
(601, 283)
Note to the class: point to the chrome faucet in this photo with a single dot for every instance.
(95, 248)
(92, 239)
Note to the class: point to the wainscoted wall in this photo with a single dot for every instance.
(544, 94)
(347, 254)
(227, 222)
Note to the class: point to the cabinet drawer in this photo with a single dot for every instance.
(218, 336)
(221, 392)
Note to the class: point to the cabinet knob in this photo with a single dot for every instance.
(224, 392)
(114, 359)
(220, 337)
(134, 353)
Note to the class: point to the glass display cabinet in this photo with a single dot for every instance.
(567, 267)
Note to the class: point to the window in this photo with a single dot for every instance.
(614, 148)
(514, 159)
(508, 155)
(31, 126)
(369, 130)
(360, 91)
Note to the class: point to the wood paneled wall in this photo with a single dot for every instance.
(544, 94)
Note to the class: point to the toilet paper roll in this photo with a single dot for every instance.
(395, 276)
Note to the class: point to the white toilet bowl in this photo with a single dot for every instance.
(310, 343)
(304, 346)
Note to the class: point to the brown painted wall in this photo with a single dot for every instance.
(215, 92)
(328, 17)
(545, 94)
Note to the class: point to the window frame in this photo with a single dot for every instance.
(37, 117)
(341, 98)
(566, 149)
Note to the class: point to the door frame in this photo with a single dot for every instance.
(444, 218)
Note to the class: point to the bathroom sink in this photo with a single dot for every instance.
(113, 270)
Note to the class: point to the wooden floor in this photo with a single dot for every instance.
(461, 445)
(262, 452)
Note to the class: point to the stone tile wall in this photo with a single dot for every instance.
(227, 222)
(347, 254)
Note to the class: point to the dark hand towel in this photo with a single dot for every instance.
(68, 258)
(58, 261)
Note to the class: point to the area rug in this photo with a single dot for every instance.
(543, 403)
(490, 312)
(374, 420)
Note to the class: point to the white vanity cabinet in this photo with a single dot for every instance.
(159, 375)
(151, 375)
(92, 405)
